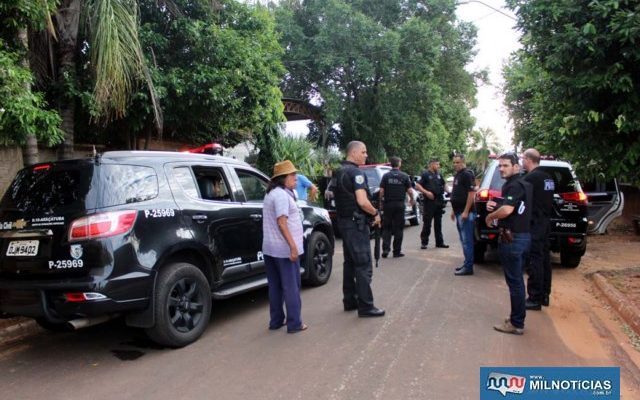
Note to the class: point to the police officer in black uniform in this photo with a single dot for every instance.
(394, 187)
(354, 213)
(514, 224)
(431, 186)
(539, 263)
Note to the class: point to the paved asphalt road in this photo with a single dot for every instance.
(436, 335)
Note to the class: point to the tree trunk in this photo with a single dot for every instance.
(67, 22)
(324, 134)
(67, 113)
(147, 137)
(30, 148)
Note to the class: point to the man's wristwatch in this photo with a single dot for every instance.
(376, 214)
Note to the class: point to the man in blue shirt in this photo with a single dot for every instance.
(303, 185)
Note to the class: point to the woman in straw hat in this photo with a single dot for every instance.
(282, 248)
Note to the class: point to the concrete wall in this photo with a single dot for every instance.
(10, 164)
(631, 202)
(11, 160)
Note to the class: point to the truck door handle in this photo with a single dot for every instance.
(256, 216)
(199, 217)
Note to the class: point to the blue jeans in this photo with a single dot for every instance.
(283, 279)
(512, 259)
(465, 230)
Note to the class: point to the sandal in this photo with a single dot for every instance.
(303, 327)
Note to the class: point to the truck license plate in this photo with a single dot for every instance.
(23, 248)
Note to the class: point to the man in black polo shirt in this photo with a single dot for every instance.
(394, 187)
(463, 211)
(539, 266)
(513, 216)
(431, 186)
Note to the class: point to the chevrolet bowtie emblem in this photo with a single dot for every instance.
(19, 224)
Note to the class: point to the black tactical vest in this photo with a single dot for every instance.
(344, 193)
(395, 186)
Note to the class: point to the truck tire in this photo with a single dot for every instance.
(182, 305)
(569, 259)
(479, 249)
(318, 259)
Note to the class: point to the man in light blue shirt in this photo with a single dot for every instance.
(302, 186)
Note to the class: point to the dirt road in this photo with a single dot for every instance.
(435, 337)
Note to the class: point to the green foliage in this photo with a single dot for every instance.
(264, 140)
(22, 112)
(300, 152)
(389, 73)
(216, 70)
(274, 146)
(19, 14)
(213, 66)
(574, 88)
(116, 55)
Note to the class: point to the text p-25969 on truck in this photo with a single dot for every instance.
(153, 236)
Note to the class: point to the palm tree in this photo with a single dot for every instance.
(117, 60)
(483, 143)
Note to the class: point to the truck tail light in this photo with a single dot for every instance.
(80, 297)
(102, 225)
(575, 197)
(42, 167)
(487, 194)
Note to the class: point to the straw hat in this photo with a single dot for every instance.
(283, 168)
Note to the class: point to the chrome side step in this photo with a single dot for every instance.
(241, 288)
(244, 287)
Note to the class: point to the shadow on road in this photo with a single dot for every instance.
(123, 342)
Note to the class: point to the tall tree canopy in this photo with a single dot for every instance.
(92, 54)
(574, 88)
(390, 72)
(217, 68)
(202, 70)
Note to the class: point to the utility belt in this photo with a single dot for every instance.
(361, 219)
(438, 199)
